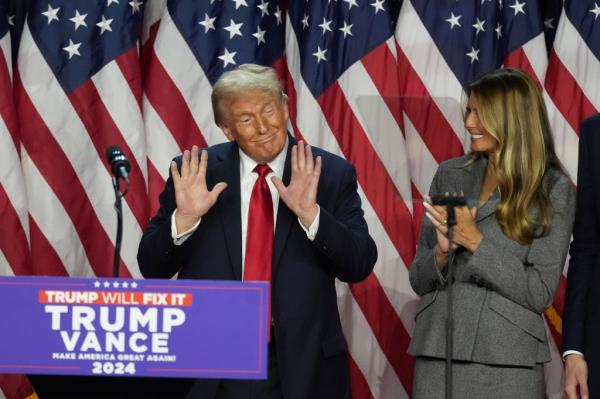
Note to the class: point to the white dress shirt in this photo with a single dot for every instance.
(247, 180)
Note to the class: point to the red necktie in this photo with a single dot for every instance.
(259, 239)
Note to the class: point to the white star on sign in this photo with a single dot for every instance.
(263, 7)
(378, 5)
(104, 25)
(97, 284)
(52, 13)
(595, 11)
(78, 19)
(454, 20)
(208, 23)
(259, 35)
(106, 284)
(135, 6)
(473, 55)
(234, 29)
(72, 48)
(346, 29)
(320, 54)
(134, 285)
(124, 284)
(116, 284)
(325, 25)
(518, 7)
(479, 26)
(227, 59)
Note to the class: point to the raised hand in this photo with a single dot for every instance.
(191, 194)
(300, 195)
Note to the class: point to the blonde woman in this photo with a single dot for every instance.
(510, 241)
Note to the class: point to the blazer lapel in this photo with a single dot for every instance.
(285, 217)
(229, 204)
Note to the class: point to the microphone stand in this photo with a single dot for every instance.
(451, 222)
(119, 209)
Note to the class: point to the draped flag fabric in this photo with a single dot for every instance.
(378, 82)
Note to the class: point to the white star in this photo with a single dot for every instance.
(346, 29)
(135, 6)
(473, 55)
(479, 26)
(305, 22)
(11, 20)
(78, 19)
(454, 20)
(320, 54)
(72, 48)
(104, 25)
(351, 3)
(518, 7)
(239, 3)
(263, 8)
(259, 35)
(134, 285)
(595, 11)
(116, 284)
(227, 59)
(106, 284)
(498, 31)
(52, 13)
(378, 5)
(96, 284)
(548, 23)
(124, 284)
(109, 2)
(277, 15)
(208, 23)
(325, 25)
(234, 29)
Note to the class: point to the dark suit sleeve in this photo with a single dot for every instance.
(343, 236)
(157, 256)
(585, 245)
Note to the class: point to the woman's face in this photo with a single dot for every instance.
(481, 139)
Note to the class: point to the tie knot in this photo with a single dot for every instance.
(262, 170)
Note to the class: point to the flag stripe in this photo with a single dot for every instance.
(12, 232)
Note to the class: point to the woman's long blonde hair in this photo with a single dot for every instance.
(511, 109)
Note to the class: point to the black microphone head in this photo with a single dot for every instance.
(117, 160)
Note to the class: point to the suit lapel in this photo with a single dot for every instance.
(229, 204)
(285, 217)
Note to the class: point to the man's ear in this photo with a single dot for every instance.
(227, 132)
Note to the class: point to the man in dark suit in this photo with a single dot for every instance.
(204, 224)
(581, 318)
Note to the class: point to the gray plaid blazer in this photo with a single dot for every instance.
(502, 289)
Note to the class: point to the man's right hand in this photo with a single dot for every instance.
(576, 374)
(191, 194)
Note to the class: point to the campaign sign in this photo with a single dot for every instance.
(120, 327)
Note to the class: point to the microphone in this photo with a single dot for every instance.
(446, 200)
(119, 164)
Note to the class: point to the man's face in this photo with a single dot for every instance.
(256, 120)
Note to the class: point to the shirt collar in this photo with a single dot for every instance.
(277, 164)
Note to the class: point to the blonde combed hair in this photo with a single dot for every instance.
(511, 109)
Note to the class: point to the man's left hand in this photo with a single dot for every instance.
(300, 195)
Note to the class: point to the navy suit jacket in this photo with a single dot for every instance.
(581, 317)
(311, 349)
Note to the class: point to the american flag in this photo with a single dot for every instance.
(385, 95)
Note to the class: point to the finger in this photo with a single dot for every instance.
(310, 162)
(570, 391)
(203, 165)
(301, 156)
(317, 169)
(439, 226)
(185, 164)
(294, 161)
(175, 173)
(583, 389)
(281, 188)
(474, 212)
(218, 189)
(439, 212)
(194, 160)
(427, 199)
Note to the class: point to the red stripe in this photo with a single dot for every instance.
(566, 93)
(167, 101)
(129, 64)
(372, 174)
(15, 386)
(387, 327)
(13, 241)
(435, 131)
(103, 133)
(156, 184)
(56, 169)
(42, 249)
(147, 50)
(360, 388)
(518, 59)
